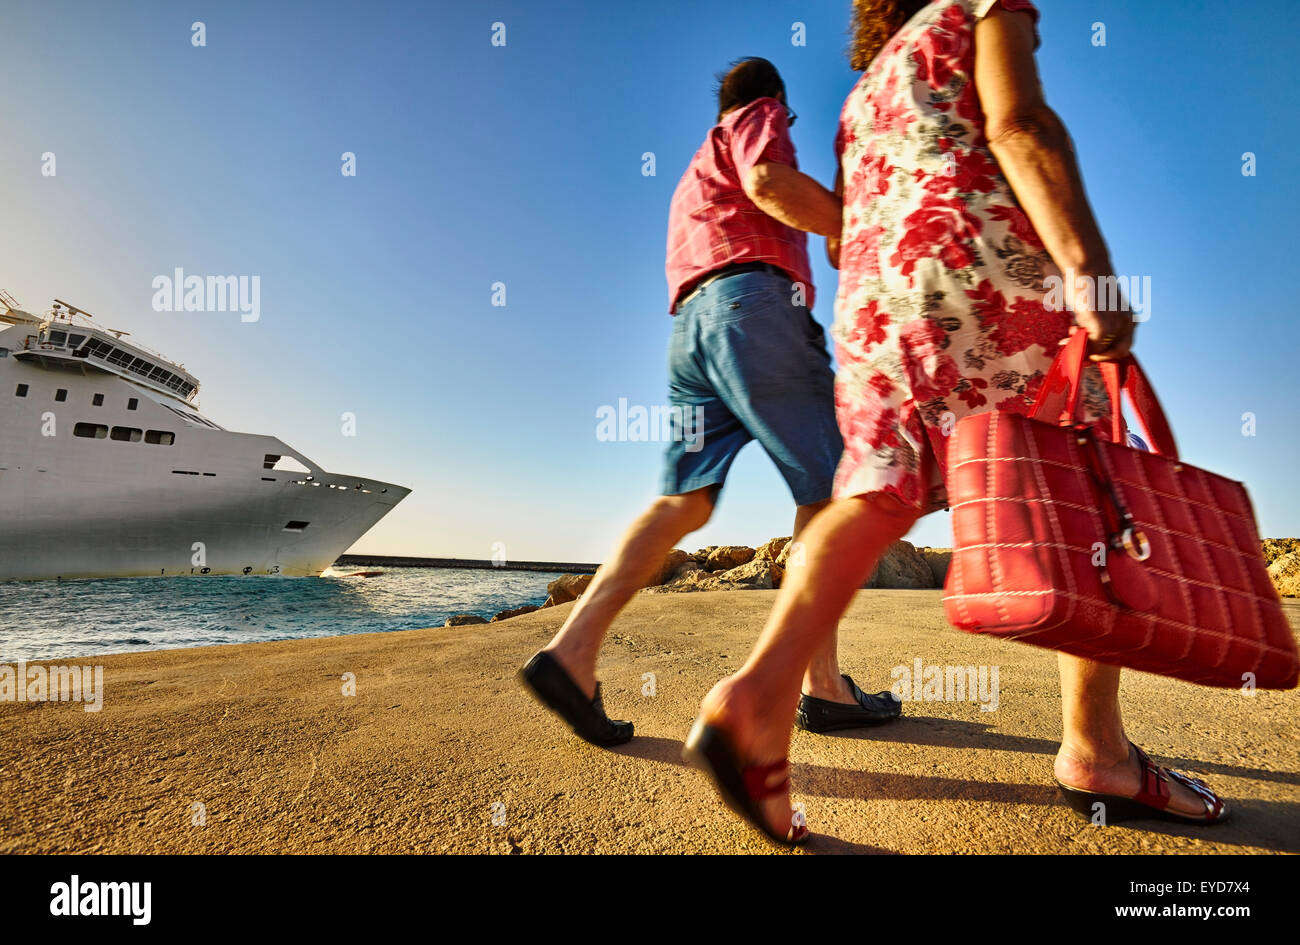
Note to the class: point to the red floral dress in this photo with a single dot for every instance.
(940, 308)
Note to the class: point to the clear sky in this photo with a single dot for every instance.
(522, 164)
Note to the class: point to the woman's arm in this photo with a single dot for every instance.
(1033, 149)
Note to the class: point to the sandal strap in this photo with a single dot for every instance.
(1213, 803)
(1155, 782)
(758, 779)
(1155, 786)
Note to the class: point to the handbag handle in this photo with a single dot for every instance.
(1058, 399)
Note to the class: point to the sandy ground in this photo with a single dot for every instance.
(440, 741)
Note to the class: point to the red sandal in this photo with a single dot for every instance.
(1151, 801)
(743, 787)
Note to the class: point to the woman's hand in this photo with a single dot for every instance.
(1110, 333)
(1110, 327)
(833, 251)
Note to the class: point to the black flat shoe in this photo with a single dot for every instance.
(819, 715)
(546, 679)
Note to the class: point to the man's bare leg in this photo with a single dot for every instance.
(639, 555)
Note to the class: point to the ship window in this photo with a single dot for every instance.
(21, 391)
(61, 394)
(119, 357)
(283, 464)
(160, 437)
(93, 431)
(126, 434)
(296, 526)
(58, 337)
(74, 341)
(98, 400)
(133, 403)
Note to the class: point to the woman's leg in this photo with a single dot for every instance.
(756, 706)
(1094, 753)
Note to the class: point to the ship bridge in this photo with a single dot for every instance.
(67, 339)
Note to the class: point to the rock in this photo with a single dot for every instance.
(938, 559)
(772, 549)
(568, 587)
(463, 620)
(902, 566)
(1275, 548)
(1285, 574)
(791, 548)
(673, 561)
(752, 575)
(778, 574)
(689, 566)
(726, 557)
(517, 612)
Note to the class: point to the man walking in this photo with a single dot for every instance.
(747, 356)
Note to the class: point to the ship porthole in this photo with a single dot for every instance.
(248, 570)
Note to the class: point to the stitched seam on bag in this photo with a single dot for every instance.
(1168, 621)
(1145, 524)
(1245, 574)
(1171, 575)
(1211, 568)
(1173, 548)
(1053, 520)
(1147, 487)
(995, 569)
(963, 612)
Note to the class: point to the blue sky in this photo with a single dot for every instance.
(522, 164)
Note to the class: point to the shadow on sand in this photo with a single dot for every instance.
(1253, 823)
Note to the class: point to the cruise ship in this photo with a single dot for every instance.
(108, 469)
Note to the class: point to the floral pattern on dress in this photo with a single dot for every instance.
(940, 311)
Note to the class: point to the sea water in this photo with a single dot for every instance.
(49, 620)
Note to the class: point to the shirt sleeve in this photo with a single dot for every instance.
(761, 135)
(984, 7)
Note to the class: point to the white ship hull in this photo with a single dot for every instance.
(77, 503)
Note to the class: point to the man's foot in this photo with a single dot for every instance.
(755, 741)
(829, 687)
(581, 671)
(860, 710)
(1137, 779)
(552, 686)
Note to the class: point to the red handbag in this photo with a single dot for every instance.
(1134, 558)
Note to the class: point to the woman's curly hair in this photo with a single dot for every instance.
(874, 22)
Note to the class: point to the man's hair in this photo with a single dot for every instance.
(745, 81)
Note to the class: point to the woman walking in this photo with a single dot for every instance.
(962, 199)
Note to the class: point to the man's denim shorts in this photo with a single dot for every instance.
(746, 363)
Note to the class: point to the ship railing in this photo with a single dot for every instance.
(82, 321)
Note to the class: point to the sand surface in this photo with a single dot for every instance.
(440, 741)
